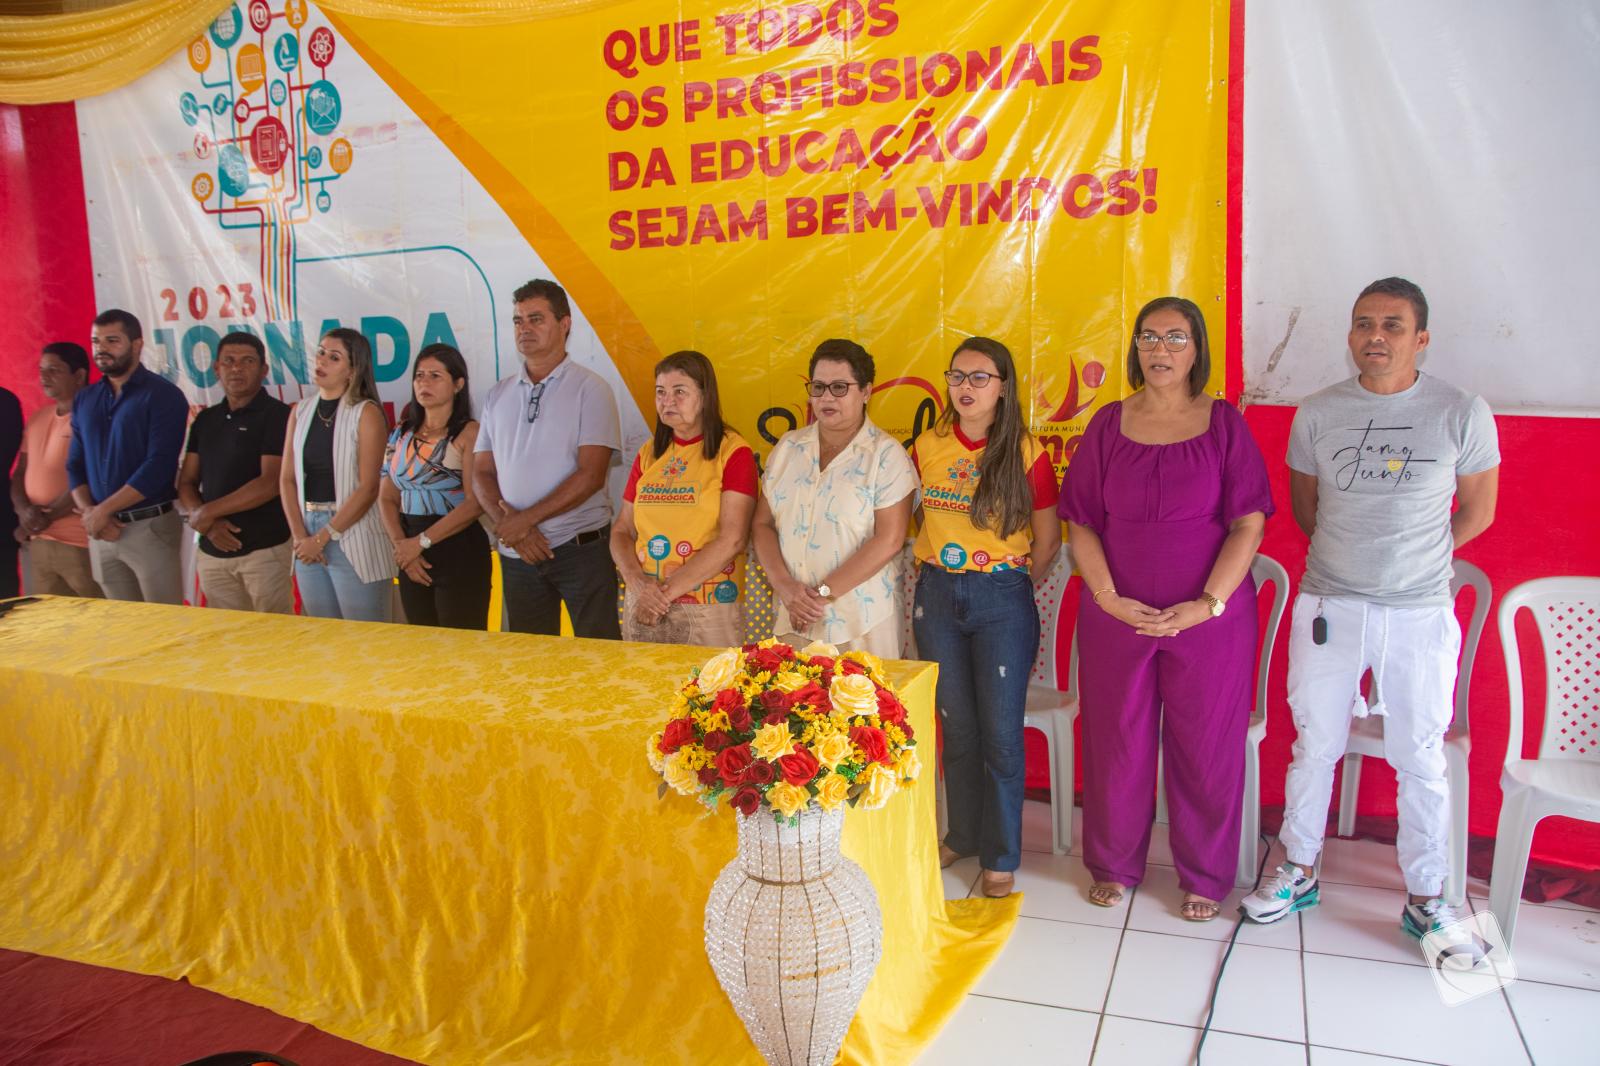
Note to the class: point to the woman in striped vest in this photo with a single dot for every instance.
(331, 472)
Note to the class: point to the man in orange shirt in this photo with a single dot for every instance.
(58, 548)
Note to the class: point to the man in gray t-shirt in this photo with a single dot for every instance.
(1374, 464)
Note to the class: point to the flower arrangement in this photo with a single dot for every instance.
(765, 725)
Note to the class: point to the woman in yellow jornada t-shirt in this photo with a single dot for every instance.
(988, 524)
(679, 539)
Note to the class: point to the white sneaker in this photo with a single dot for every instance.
(1462, 949)
(1292, 890)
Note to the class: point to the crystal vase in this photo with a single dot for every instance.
(793, 933)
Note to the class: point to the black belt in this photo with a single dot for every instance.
(139, 514)
(588, 536)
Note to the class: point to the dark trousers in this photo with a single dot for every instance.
(983, 631)
(461, 573)
(581, 575)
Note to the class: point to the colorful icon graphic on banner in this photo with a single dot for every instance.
(322, 107)
(260, 15)
(264, 127)
(251, 66)
(286, 52)
(269, 145)
(226, 28)
(321, 47)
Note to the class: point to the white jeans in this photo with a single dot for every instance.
(1412, 654)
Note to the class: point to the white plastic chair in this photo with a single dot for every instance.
(1564, 776)
(1266, 571)
(1049, 709)
(1366, 736)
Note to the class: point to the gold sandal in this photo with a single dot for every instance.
(1199, 909)
(1105, 893)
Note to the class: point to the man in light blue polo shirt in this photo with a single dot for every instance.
(548, 435)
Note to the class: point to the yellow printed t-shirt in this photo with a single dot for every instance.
(948, 465)
(677, 506)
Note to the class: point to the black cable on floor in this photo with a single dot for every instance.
(1211, 1007)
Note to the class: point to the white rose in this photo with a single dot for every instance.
(854, 694)
(719, 671)
(818, 647)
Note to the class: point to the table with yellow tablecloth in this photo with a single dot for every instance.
(445, 845)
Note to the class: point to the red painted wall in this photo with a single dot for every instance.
(46, 280)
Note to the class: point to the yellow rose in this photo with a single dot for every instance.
(818, 647)
(854, 694)
(772, 742)
(908, 765)
(789, 679)
(719, 671)
(881, 784)
(653, 752)
(787, 799)
(833, 791)
(680, 775)
(832, 750)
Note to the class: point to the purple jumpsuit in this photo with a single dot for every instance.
(1162, 511)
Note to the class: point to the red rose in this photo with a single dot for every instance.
(773, 700)
(733, 763)
(890, 709)
(850, 666)
(764, 660)
(746, 801)
(776, 718)
(785, 651)
(871, 742)
(760, 773)
(739, 719)
(707, 775)
(812, 695)
(823, 661)
(716, 740)
(799, 767)
(727, 700)
(679, 731)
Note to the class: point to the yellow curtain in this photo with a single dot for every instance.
(50, 57)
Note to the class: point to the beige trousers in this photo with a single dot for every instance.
(57, 569)
(711, 625)
(258, 581)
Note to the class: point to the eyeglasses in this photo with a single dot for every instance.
(838, 388)
(535, 394)
(976, 378)
(1176, 341)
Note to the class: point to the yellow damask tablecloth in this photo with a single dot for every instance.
(444, 845)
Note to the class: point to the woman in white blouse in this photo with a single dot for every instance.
(833, 512)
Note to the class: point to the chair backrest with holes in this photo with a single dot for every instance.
(1049, 595)
(1566, 611)
(1267, 571)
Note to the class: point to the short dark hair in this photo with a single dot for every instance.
(68, 352)
(550, 291)
(698, 369)
(841, 351)
(249, 340)
(412, 417)
(1408, 290)
(116, 316)
(1200, 372)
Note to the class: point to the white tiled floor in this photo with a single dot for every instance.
(1339, 985)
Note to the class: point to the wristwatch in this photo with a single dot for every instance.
(1214, 605)
(824, 591)
(333, 534)
(424, 541)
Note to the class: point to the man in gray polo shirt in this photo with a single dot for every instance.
(548, 435)
(1374, 463)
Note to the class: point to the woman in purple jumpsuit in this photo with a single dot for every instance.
(1166, 498)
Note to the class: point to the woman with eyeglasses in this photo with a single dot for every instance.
(679, 540)
(832, 516)
(427, 502)
(989, 530)
(332, 465)
(1165, 498)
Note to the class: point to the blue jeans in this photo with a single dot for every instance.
(335, 590)
(983, 631)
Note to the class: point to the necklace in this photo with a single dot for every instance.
(327, 420)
